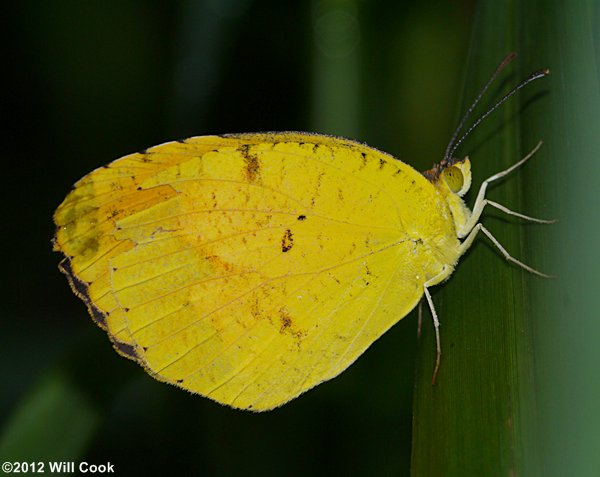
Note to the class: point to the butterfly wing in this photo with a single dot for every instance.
(246, 268)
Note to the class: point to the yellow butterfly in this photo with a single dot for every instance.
(249, 268)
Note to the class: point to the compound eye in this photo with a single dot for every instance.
(454, 178)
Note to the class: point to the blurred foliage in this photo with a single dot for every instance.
(91, 81)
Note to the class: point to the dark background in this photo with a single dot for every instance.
(88, 82)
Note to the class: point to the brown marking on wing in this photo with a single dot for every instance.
(287, 241)
(252, 164)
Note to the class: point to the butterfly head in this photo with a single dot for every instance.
(451, 176)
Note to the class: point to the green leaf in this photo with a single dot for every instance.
(517, 391)
(55, 422)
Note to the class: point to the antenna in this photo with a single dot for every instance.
(453, 144)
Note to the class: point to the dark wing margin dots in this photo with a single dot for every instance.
(81, 289)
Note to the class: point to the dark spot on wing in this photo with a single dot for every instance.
(285, 319)
(302, 217)
(252, 164)
(79, 286)
(364, 161)
(287, 242)
(81, 289)
(367, 278)
(125, 349)
(97, 315)
(288, 327)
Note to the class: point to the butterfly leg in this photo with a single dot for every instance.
(436, 325)
(445, 273)
(466, 244)
(481, 201)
